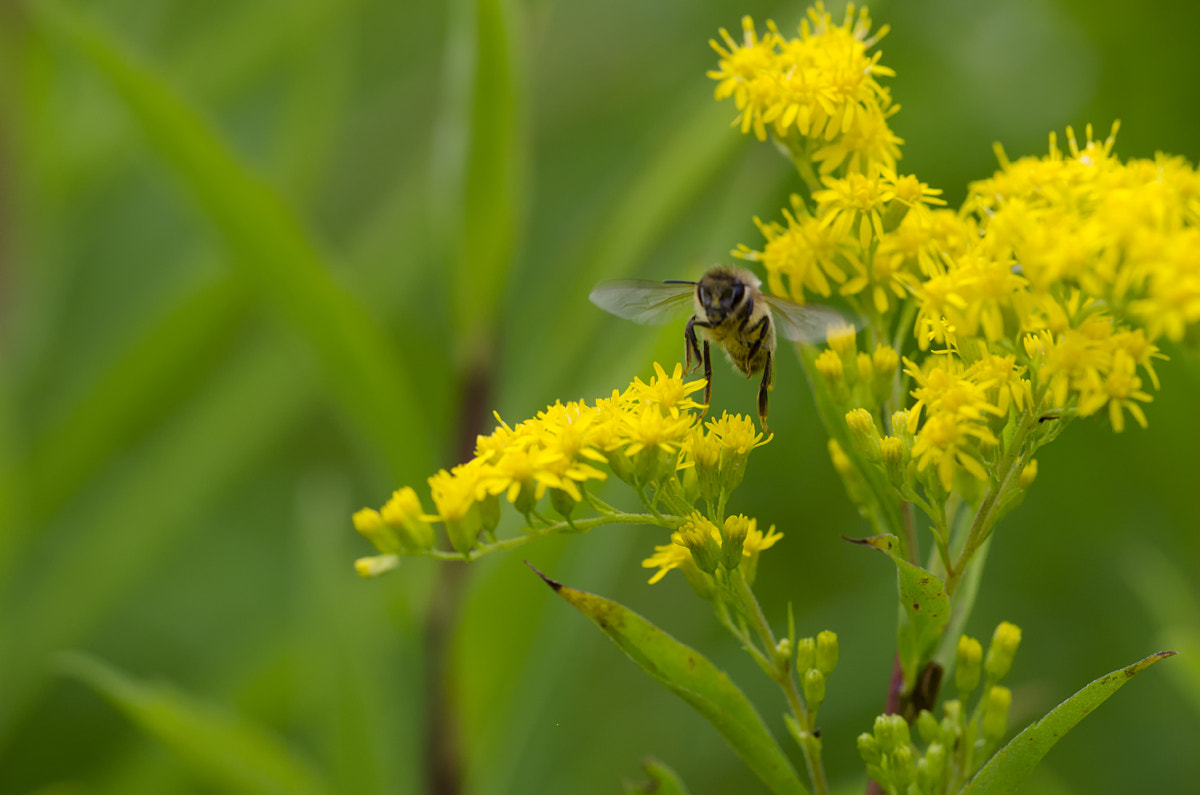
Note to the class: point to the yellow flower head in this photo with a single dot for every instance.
(668, 391)
(821, 86)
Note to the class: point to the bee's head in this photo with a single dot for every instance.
(722, 292)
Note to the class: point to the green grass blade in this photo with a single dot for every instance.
(112, 539)
(479, 161)
(272, 252)
(228, 750)
(665, 184)
(143, 383)
(692, 677)
(1012, 763)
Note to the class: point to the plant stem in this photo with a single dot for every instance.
(1008, 470)
(809, 744)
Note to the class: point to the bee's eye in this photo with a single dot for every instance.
(705, 295)
(739, 290)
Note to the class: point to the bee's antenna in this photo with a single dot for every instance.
(680, 281)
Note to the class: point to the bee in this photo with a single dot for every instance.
(730, 311)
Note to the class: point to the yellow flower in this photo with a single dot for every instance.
(947, 441)
(665, 558)
(821, 86)
(737, 434)
(668, 391)
(1119, 389)
(457, 491)
(855, 202)
(807, 253)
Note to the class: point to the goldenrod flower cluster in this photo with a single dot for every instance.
(650, 435)
(819, 88)
(1042, 299)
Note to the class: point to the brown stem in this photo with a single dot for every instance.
(443, 733)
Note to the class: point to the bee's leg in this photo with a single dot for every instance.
(759, 331)
(707, 377)
(764, 390)
(691, 345)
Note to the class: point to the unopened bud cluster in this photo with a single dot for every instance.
(955, 746)
(816, 659)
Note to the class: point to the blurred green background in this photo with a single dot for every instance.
(263, 262)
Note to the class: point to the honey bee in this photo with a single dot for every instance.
(730, 311)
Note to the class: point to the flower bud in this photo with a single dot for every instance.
(927, 727)
(885, 362)
(705, 451)
(1000, 653)
(370, 525)
(892, 733)
(814, 688)
(892, 450)
(865, 367)
(829, 366)
(840, 339)
(697, 534)
(832, 371)
(827, 652)
(995, 713)
(904, 768)
(733, 540)
(866, 435)
(738, 437)
(868, 748)
(463, 530)
(562, 502)
(951, 718)
(489, 512)
(404, 514)
(1028, 474)
(526, 499)
(374, 566)
(967, 667)
(931, 767)
(806, 655)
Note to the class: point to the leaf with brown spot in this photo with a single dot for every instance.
(926, 608)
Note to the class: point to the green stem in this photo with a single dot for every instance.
(1007, 472)
(535, 533)
(810, 745)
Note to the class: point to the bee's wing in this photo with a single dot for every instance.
(643, 301)
(805, 323)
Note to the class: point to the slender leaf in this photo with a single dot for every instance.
(1012, 763)
(144, 381)
(925, 608)
(226, 749)
(273, 253)
(113, 538)
(479, 160)
(692, 677)
(663, 781)
(665, 184)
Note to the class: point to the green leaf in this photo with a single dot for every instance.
(479, 161)
(1012, 763)
(663, 781)
(925, 608)
(692, 677)
(228, 750)
(271, 250)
